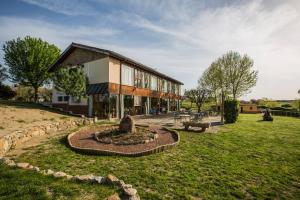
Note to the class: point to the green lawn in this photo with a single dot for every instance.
(250, 159)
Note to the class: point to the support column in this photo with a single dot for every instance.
(168, 105)
(121, 106)
(90, 105)
(148, 106)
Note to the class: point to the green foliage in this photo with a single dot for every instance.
(197, 96)
(194, 168)
(231, 111)
(287, 105)
(71, 81)
(28, 61)
(3, 74)
(6, 92)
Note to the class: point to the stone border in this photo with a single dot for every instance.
(140, 153)
(9, 141)
(128, 192)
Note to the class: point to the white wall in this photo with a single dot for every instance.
(97, 70)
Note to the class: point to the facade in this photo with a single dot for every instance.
(117, 85)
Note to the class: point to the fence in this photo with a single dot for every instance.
(285, 113)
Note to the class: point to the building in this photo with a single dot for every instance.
(249, 108)
(117, 85)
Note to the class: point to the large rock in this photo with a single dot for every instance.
(59, 174)
(127, 125)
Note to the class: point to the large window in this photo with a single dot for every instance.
(127, 75)
(139, 79)
(146, 80)
(153, 83)
(164, 85)
(169, 86)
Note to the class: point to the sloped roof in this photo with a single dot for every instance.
(113, 54)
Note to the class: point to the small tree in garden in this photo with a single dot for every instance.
(71, 81)
(28, 61)
(198, 96)
(231, 111)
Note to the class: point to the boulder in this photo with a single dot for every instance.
(98, 179)
(129, 191)
(49, 172)
(84, 177)
(127, 125)
(23, 165)
(8, 162)
(36, 169)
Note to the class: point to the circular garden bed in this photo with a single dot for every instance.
(106, 140)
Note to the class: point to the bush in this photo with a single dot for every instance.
(231, 111)
(6, 92)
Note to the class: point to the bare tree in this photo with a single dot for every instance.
(198, 96)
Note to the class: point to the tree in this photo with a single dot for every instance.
(28, 61)
(71, 81)
(198, 96)
(3, 74)
(241, 76)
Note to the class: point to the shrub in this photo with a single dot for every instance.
(231, 111)
(6, 92)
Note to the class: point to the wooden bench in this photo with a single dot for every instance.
(204, 126)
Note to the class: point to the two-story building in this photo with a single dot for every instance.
(117, 85)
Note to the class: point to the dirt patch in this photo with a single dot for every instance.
(85, 139)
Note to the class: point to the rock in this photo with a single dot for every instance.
(111, 179)
(113, 197)
(127, 125)
(49, 172)
(130, 191)
(98, 179)
(36, 169)
(84, 177)
(120, 183)
(9, 162)
(69, 177)
(22, 165)
(30, 167)
(59, 174)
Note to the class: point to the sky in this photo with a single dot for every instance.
(178, 37)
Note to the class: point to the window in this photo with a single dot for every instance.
(127, 75)
(169, 86)
(139, 79)
(66, 98)
(173, 88)
(146, 80)
(137, 101)
(153, 83)
(60, 98)
(250, 107)
(164, 85)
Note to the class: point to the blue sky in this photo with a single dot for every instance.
(177, 37)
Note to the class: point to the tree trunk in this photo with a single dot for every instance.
(199, 109)
(36, 94)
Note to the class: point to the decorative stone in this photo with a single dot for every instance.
(111, 179)
(69, 177)
(84, 177)
(98, 179)
(130, 191)
(49, 172)
(9, 162)
(36, 169)
(23, 165)
(127, 125)
(30, 167)
(113, 197)
(120, 183)
(59, 174)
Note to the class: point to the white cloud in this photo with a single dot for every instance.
(189, 36)
(67, 7)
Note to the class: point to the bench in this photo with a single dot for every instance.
(204, 126)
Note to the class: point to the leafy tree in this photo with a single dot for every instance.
(3, 74)
(6, 92)
(71, 81)
(28, 61)
(198, 96)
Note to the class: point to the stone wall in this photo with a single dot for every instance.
(17, 137)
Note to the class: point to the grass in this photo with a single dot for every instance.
(20, 184)
(247, 160)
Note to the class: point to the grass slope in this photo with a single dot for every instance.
(249, 159)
